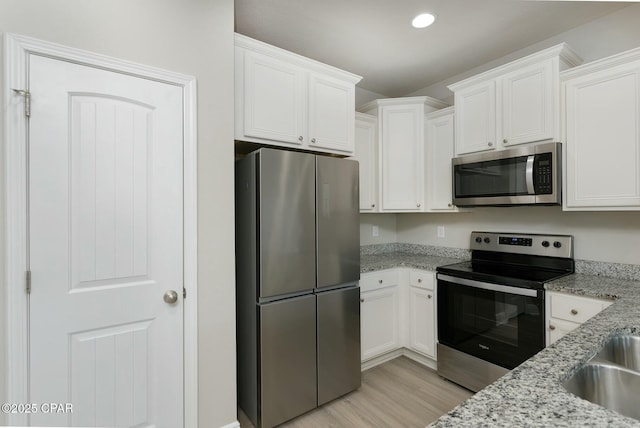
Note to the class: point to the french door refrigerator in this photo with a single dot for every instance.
(297, 272)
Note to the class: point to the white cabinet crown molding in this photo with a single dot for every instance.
(372, 106)
(440, 113)
(601, 64)
(245, 42)
(568, 58)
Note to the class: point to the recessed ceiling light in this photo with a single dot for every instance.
(423, 20)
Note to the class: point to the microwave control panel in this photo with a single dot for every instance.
(543, 174)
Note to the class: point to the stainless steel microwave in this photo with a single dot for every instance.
(524, 175)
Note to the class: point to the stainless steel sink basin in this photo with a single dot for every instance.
(611, 378)
(623, 351)
(610, 386)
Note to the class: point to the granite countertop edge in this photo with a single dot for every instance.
(532, 393)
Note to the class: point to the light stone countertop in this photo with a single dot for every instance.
(374, 262)
(532, 395)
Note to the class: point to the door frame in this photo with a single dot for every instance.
(17, 49)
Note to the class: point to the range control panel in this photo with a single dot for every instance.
(515, 240)
(523, 243)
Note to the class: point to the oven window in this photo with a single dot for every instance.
(503, 177)
(503, 328)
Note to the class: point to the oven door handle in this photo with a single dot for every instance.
(489, 286)
(529, 175)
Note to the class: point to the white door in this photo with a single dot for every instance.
(106, 243)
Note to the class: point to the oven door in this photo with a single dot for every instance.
(496, 323)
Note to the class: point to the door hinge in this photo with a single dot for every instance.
(27, 100)
(184, 293)
(27, 277)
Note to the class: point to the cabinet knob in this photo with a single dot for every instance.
(428, 296)
(418, 205)
(505, 141)
(574, 312)
(361, 300)
(490, 144)
(419, 280)
(313, 140)
(300, 138)
(552, 327)
(379, 281)
(449, 205)
(373, 205)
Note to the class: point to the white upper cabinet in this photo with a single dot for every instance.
(274, 98)
(284, 99)
(476, 118)
(366, 128)
(516, 103)
(530, 104)
(331, 120)
(439, 130)
(401, 151)
(602, 141)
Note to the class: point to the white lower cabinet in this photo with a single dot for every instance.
(567, 312)
(398, 311)
(422, 332)
(379, 318)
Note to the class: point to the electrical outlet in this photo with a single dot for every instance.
(375, 230)
(440, 231)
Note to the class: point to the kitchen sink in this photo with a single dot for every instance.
(612, 378)
(623, 351)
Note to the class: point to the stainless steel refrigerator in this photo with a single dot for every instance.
(297, 272)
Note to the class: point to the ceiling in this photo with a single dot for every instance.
(374, 38)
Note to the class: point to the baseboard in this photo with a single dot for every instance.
(419, 358)
(376, 361)
(422, 359)
(235, 424)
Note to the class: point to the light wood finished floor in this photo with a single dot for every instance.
(398, 393)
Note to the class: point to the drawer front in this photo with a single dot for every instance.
(422, 279)
(575, 309)
(378, 279)
(558, 328)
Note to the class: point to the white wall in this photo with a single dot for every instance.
(386, 224)
(608, 35)
(363, 96)
(610, 237)
(194, 37)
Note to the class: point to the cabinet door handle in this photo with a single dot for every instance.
(574, 312)
(419, 280)
(552, 327)
(300, 138)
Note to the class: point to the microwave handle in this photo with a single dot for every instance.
(529, 175)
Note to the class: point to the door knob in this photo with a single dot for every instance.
(170, 297)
